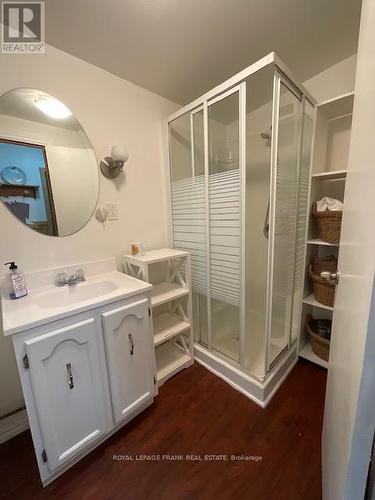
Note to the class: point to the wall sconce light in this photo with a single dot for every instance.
(112, 165)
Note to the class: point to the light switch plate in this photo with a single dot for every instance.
(112, 210)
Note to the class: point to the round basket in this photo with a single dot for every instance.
(329, 223)
(324, 292)
(319, 345)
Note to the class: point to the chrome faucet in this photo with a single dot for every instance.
(62, 279)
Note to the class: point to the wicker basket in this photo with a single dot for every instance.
(324, 292)
(329, 223)
(319, 345)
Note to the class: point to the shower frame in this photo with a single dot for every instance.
(235, 372)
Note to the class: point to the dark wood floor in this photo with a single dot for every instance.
(195, 413)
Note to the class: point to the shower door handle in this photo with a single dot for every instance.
(266, 226)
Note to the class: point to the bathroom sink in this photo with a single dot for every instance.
(46, 302)
(68, 295)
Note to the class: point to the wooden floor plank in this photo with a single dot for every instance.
(195, 413)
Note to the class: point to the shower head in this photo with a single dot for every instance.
(267, 136)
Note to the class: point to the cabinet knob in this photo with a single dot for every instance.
(131, 343)
(70, 375)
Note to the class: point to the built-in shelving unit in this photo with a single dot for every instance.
(169, 271)
(317, 241)
(337, 174)
(310, 300)
(307, 353)
(328, 176)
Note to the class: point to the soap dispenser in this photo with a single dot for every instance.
(17, 287)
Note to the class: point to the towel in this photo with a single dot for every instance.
(331, 204)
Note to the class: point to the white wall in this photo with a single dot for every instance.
(349, 418)
(334, 81)
(112, 111)
(74, 186)
(20, 129)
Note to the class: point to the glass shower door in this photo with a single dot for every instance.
(283, 212)
(188, 195)
(224, 222)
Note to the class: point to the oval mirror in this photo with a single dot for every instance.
(48, 171)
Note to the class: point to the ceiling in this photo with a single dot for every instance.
(20, 103)
(179, 49)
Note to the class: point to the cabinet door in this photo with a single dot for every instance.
(68, 389)
(130, 357)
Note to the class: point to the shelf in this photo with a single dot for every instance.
(24, 190)
(322, 243)
(307, 353)
(159, 255)
(339, 106)
(170, 360)
(310, 300)
(166, 326)
(165, 292)
(334, 174)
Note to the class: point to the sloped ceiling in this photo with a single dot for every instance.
(179, 49)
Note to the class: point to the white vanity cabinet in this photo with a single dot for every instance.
(68, 388)
(83, 377)
(129, 351)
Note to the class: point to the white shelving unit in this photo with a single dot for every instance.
(170, 360)
(171, 301)
(336, 174)
(310, 300)
(167, 325)
(317, 241)
(165, 292)
(307, 353)
(329, 171)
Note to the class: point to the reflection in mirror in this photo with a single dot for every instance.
(48, 171)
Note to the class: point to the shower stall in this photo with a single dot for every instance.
(239, 159)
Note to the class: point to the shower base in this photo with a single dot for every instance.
(261, 392)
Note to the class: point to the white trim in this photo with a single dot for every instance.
(242, 167)
(293, 80)
(307, 220)
(301, 122)
(207, 215)
(272, 213)
(336, 98)
(197, 110)
(13, 425)
(280, 382)
(168, 190)
(243, 382)
(290, 85)
(190, 304)
(332, 174)
(339, 117)
(230, 382)
(192, 146)
(224, 95)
